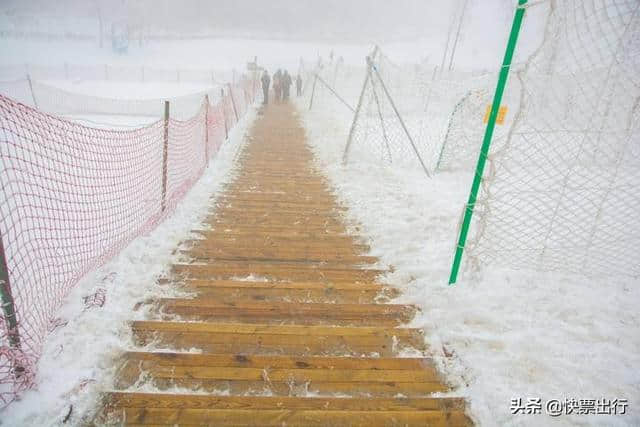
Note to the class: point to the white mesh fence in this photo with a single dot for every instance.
(337, 86)
(461, 127)
(562, 191)
(127, 73)
(390, 120)
(54, 100)
(442, 115)
(58, 101)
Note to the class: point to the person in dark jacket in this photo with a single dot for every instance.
(277, 85)
(266, 80)
(286, 85)
(298, 85)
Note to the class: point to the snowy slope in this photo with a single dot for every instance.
(498, 334)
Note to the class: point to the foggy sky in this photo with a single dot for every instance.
(347, 20)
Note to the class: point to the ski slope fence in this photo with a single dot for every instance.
(57, 101)
(561, 184)
(72, 196)
(412, 115)
(562, 191)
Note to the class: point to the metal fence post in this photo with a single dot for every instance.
(313, 89)
(233, 102)
(367, 78)
(33, 95)
(8, 304)
(206, 128)
(165, 153)
(224, 115)
(399, 117)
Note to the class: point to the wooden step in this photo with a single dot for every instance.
(268, 251)
(213, 256)
(287, 312)
(167, 409)
(284, 362)
(280, 271)
(285, 285)
(359, 375)
(277, 229)
(243, 373)
(230, 291)
(291, 239)
(275, 225)
(289, 197)
(194, 401)
(279, 417)
(291, 206)
(284, 217)
(295, 340)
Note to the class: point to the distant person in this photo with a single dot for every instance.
(298, 85)
(286, 84)
(277, 85)
(266, 80)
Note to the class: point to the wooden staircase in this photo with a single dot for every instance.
(288, 325)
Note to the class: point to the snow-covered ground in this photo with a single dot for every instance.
(498, 334)
(78, 358)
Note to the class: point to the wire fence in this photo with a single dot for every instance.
(561, 182)
(72, 196)
(562, 190)
(414, 115)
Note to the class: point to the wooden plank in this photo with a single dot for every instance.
(226, 200)
(285, 312)
(278, 216)
(274, 226)
(195, 401)
(279, 417)
(271, 374)
(230, 291)
(289, 285)
(267, 252)
(292, 239)
(302, 388)
(293, 229)
(199, 255)
(251, 329)
(276, 272)
(285, 361)
(281, 265)
(293, 205)
(327, 295)
(271, 344)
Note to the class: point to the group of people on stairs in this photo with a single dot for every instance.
(281, 85)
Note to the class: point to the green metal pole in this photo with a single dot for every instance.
(486, 142)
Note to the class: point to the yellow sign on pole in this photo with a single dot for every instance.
(502, 113)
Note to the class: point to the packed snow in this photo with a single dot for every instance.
(499, 334)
